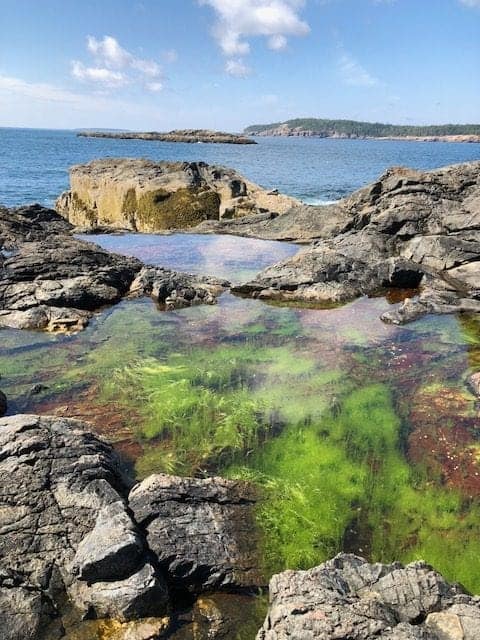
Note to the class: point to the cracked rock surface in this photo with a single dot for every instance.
(58, 485)
(408, 229)
(349, 599)
(201, 530)
(72, 546)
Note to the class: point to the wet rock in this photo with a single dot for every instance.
(59, 486)
(56, 282)
(143, 629)
(347, 598)
(201, 531)
(3, 404)
(473, 383)
(37, 389)
(177, 290)
(409, 229)
(142, 195)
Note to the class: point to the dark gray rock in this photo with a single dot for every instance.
(201, 531)
(409, 229)
(349, 599)
(65, 531)
(177, 290)
(3, 404)
(50, 280)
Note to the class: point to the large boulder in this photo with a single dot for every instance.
(408, 229)
(66, 535)
(142, 195)
(201, 530)
(349, 599)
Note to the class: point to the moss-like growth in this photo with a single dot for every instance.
(181, 209)
(129, 207)
(81, 208)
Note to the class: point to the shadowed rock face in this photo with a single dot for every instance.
(50, 280)
(65, 530)
(73, 546)
(348, 599)
(409, 228)
(142, 195)
(201, 531)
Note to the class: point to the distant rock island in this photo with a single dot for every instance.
(322, 128)
(178, 135)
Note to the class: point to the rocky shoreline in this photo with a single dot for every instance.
(83, 549)
(410, 229)
(190, 136)
(87, 553)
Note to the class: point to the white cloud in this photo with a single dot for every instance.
(471, 3)
(237, 68)
(115, 66)
(105, 77)
(240, 20)
(353, 73)
(109, 52)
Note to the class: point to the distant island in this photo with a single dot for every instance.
(178, 135)
(323, 128)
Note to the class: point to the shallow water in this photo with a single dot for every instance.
(34, 162)
(360, 435)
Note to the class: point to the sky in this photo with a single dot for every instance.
(226, 64)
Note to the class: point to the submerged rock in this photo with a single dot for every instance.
(349, 599)
(142, 195)
(409, 229)
(52, 281)
(3, 404)
(201, 531)
(473, 383)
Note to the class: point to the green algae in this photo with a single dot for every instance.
(184, 208)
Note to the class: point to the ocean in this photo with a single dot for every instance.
(34, 162)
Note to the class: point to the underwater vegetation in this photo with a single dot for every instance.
(343, 482)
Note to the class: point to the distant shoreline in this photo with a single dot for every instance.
(358, 130)
(466, 139)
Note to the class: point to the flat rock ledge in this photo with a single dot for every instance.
(142, 195)
(349, 599)
(75, 547)
(51, 281)
(410, 229)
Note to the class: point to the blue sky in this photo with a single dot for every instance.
(224, 64)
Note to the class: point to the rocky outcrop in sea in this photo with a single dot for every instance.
(141, 195)
(178, 135)
(53, 281)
